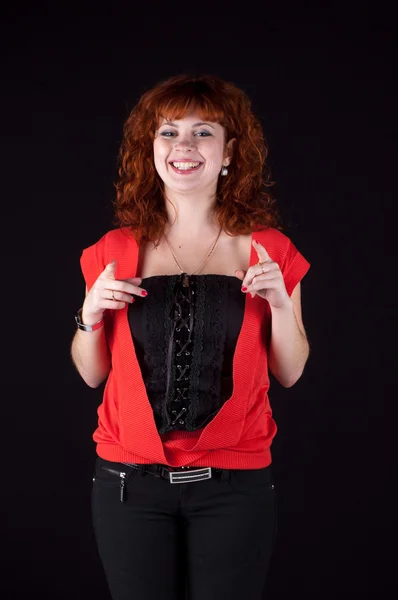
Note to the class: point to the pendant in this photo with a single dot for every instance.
(185, 280)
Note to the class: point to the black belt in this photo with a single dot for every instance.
(178, 474)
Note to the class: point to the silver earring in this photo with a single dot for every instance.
(224, 171)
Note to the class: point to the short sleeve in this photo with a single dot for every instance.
(293, 266)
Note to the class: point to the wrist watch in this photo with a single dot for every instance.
(83, 327)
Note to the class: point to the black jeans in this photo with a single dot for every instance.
(202, 540)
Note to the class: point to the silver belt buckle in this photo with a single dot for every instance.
(190, 476)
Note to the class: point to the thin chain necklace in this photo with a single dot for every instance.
(201, 266)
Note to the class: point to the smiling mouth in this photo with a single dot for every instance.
(185, 167)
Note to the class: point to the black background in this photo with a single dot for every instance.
(323, 82)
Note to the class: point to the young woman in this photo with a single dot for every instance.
(190, 301)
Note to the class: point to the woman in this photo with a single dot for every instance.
(189, 301)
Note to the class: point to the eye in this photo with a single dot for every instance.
(203, 133)
(168, 133)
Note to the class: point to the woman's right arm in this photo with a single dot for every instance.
(89, 349)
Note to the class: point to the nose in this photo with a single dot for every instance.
(184, 144)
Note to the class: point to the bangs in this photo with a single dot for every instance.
(196, 97)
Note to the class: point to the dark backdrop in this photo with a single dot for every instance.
(322, 80)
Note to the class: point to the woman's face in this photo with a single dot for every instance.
(189, 153)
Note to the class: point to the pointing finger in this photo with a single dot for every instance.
(262, 253)
(110, 269)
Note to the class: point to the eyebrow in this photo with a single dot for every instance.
(194, 125)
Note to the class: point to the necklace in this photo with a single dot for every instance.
(185, 278)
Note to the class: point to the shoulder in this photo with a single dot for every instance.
(113, 239)
(272, 234)
(120, 235)
(117, 244)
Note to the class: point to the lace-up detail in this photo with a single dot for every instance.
(184, 335)
(180, 347)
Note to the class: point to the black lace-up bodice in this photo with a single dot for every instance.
(185, 333)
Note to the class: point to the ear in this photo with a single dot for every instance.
(229, 151)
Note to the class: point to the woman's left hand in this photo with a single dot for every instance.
(269, 285)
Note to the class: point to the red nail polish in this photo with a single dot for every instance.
(144, 293)
(244, 288)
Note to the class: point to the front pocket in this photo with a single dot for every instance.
(248, 481)
(110, 476)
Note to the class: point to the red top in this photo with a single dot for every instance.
(240, 435)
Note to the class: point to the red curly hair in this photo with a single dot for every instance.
(243, 202)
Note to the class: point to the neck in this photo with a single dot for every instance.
(190, 220)
(191, 213)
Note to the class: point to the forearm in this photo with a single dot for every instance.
(91, 356)
(288, 349)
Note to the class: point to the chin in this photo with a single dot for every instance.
(184, 186)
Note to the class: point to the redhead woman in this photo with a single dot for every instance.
(192, 299)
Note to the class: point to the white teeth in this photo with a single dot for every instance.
(184, 166)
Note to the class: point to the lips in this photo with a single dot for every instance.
(185, 166)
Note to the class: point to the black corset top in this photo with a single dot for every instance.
(185, 334)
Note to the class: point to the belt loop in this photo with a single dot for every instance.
(224, 475)
(142, 469)
(161, 471)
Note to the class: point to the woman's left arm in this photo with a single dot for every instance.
(288, 348)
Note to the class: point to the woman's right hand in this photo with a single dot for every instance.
(109, 293)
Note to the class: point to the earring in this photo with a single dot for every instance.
(224, 171)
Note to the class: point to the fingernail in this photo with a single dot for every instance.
(244, 288)
(144, 293)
